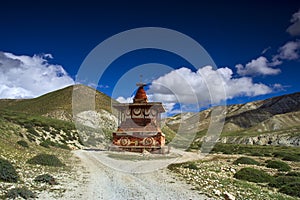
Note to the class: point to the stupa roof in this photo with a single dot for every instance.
(140, 96)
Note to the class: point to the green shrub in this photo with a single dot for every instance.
(45, 143)
(245, 160)
(257, 154)
(47, 128)
(253, 175)
(46, 178)
(291, 157)
(46, 159)
(280, 154)
(191, 165)
(174, 166)
(297, 174)
(7, 171)
(283, 180)
(23, 143)
(30, 138)
(32, 131)
(287, 156)
(291, 189)
(22, 192)
(276, 164)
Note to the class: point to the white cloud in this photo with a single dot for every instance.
(188, 87)
(265, 50)
(125, 100)
(289, 51)
(30, 76)
(294, 29)
(259, 66)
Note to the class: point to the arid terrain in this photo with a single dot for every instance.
(42, 153)
(95, 180)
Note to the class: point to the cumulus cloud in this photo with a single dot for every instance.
(187, 87)
(125, 100)
(30, 76)
(289, 51)
(259, 66)
(294, 29)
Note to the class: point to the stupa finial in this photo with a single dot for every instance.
(141, 84)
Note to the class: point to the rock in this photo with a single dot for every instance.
(217, 192)
(101, 119)
(228, 196)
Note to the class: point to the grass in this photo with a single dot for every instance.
(31, 121)
(59, 100)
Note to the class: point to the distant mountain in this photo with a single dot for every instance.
(272, 121)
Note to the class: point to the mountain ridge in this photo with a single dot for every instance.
(251, 121)
(277, 115)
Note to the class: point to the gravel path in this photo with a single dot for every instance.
(103, 182)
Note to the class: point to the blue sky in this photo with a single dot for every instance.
(51, 40)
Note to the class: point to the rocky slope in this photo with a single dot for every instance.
(273, 121)
(88, 125)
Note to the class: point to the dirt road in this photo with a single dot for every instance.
(103, 182)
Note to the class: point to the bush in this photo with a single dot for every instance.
(291, 189)
(245, 160)
(291, 157)
(7, 171)
(297, 174)
(283, 180)
(46, 159)
(23, 143)
(191, 165)
(276, 164)
(257, 154)
(46, 178)
(22, 192)
(287, 156)
(45, 143)
(253, 175)
(33, 131)
(174, 166)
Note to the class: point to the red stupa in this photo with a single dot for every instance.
(139, 124)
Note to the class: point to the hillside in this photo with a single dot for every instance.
(45, 125)
(271, 121)
(48, 120)
(58, 104)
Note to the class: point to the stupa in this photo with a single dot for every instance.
(139, 124)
